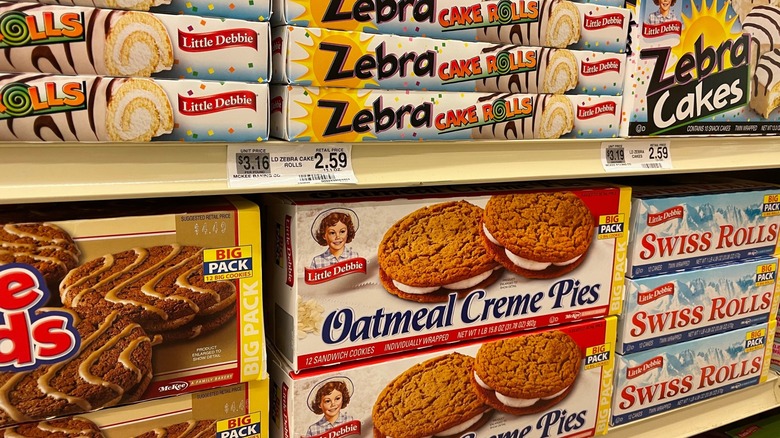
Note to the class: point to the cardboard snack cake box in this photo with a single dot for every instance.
(239, 410)
(545, 23)
(361, 274)
(686, 223)
(255, 10)
(658, 380)
(332, 58)
(79, 40)
(352, 115)
(107, 303)
(672, 308)
(703, 67)
(39, 107)
(554, 382)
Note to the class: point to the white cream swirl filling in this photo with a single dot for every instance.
(516, 402)
(524, 263)
(463, 284)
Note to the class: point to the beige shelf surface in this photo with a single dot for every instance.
(706, 415)
(43, 172)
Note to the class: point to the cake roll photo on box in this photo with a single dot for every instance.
(332, 58)
(254, 10)
(349, 115)
(99, 109)
(75, 40)
(544, 23)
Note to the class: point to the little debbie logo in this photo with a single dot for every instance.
(227, 263)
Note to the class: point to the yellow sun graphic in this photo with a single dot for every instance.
(317, 119)
(318, 62)
(709, 23)
(315, 10)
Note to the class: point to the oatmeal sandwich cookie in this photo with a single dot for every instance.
(69, 427)
(161, 287)
(538, 235)
(435, 251)
(433, 398)
(526, 374)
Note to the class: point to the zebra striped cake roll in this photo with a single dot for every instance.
(763, 25)
(552, 117)
(556, 72)
(765, 96)
(558, 26)
(131, 5)
(138, 110)
(743, 7)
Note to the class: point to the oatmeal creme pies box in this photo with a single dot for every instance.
(545, 23)
(333, 58)
(658, 380)
(672, 308)
(127, 300)
(359, 274)
(100, 108)
(254, 10)
(331, 114)
(699, 223)
(76, 40)
(703, 67)
(370, 395)
(239, 410)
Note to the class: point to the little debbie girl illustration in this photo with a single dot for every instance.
(334, 228)
(328, 398)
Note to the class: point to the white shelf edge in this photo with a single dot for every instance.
(706, 415)
(44, 172)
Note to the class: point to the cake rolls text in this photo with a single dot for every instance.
(20, 29)
(19, 99)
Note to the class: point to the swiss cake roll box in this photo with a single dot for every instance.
(108, 303)
(662, 379)
(683, 223)
(332, 58)
(703, 67)
(677, 307)
(42, 107)
(252, 10)
(544, 383)
(332, 114)
(76, 40)
(545, 23)
(239, 410)
(361, 274)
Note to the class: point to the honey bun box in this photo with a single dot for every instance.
(707, 67)
(351, 115)
(257, 10)
(109, 303)
(78, 40)
(417, 268)
(545, 23)
(553, 382)
(658, 380)
(672, 308)
(38, 107)
(682, 223)
(233, 411)
(332, 58)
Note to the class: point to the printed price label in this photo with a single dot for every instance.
(289, 165)
(636, 155)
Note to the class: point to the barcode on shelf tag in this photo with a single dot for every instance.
(629, 156)
(289, 165)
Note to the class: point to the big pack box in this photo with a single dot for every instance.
(239, 410)
(448, 390)
(555, 23)
(101, 108)
(330, 114)
(373, 289)
(76, 40)
(658, 380)
(332, 58)
(672, 308)
(255, 10)
(127, 300)
(703, 67)
(687, 223)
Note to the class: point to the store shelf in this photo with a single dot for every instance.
(33, 172)
(706, 415)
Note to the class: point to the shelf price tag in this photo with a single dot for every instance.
(289, 165)
(629, 156)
